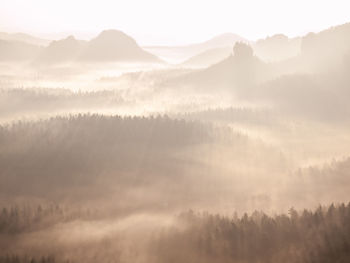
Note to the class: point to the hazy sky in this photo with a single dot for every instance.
(171, 22)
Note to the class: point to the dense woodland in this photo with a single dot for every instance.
(116, 155)
(26, 259)
(19, 219)
(320, 235)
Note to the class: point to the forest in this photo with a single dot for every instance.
(321, 235)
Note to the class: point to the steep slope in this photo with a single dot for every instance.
(320, 52)
(237, 72)
(64, 50)
(327, 47)
(208, 57)
(278, 47)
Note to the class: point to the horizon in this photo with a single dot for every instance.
(167, 29)
(88, 36)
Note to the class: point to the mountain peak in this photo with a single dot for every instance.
(111, 32)
(115, 45)
(113, 35)
(65, 43)
(242, 51)
(71, 38)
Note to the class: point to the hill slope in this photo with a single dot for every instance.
(114, 45)
(22, 37)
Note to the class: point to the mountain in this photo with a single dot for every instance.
(319, 52)
(278, 47)
(186, 52)
(208, 57)
(64, 50)
(24, 38)
(114, 45)
(315, 53)
(237, 72)
(17, 51)
(327, 47)
(271, 49)
(224, 40)
(108, 46)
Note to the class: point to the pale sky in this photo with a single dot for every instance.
(171, 22)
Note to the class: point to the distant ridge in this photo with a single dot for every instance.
(277, 47)
(114, 45)
(238, 71)
(22, 37)
(208, 57)
(187, 51)
(62, 50)
(108, 46)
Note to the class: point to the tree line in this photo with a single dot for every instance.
(322, 235)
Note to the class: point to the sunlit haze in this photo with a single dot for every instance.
(183, 131)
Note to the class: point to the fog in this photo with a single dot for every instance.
(229, 150)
